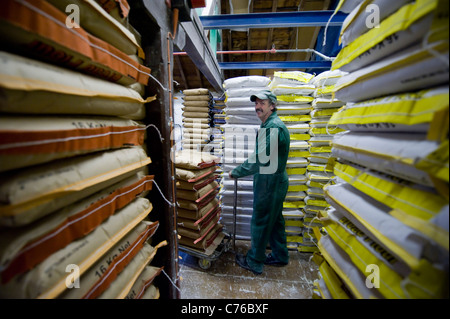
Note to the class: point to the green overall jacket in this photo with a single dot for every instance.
(270, 186)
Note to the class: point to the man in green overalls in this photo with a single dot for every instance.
(270, 185)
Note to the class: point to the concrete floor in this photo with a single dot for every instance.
(226, 280)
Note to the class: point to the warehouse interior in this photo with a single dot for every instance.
(121, 120)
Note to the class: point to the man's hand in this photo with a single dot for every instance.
(231, 176)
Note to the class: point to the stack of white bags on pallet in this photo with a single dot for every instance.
(240, 135)
(389, 223)
(294, 95)
(318, 172)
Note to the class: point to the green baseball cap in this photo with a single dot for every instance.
(264, 95)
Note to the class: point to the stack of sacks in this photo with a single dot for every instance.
(56, 43)
(294, 91)
(244, 206)
(219, 113)
(240, 135)
(239, 144)
(115, 82)
(73, 166)
(390, 205)
(219, 120)
(318, 174)
(240, 110)
(196, 119)
(197, 200)
(217, 135)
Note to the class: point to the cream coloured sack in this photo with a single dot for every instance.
(48, 279)
(30, 86)
(26, 141)
(38, 191)
(23, 248)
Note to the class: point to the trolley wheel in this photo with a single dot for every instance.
(204, 263)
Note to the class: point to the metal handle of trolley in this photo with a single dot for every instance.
(234, 214)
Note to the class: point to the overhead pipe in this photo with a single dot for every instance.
(272, 51)
(325, 57)
(233, 52)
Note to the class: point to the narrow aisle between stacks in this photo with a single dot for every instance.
(226, 280)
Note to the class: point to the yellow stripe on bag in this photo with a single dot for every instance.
(334, 284)
(401, 20)
(295, 223)
(296, 204)
(436, 163)
(430, 230)
(346, 239)
(339, 6)
(298, 188)
(320, 211)
(339, 272)
(317, 202)
(296, 171)
(392, 284)
(294, 239)
(309, 221)
(318, 168)
(307, 249)
(325, 90)
(320, 149)
(295, 75)
(427, 278)
(409, 259)
(299, 154)
(295, 98)
(317, 233)
(296, 118)
(424, 282)
(420, 55)
(415, 202)
(317, 184)
(406, 109)
(326, 131)
(325, 112)
(439, 125)
(300, 137)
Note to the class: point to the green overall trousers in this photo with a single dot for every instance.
(270, 185)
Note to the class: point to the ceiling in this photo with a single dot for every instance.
(188, 76)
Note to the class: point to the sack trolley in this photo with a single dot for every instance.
(228, 243)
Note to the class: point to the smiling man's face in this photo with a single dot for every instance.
(263, 109)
